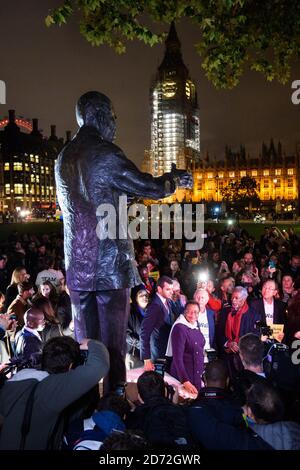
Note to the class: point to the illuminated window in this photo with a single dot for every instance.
(290, 171)
(6, 166)
(42, 170)
(32, 158)
(231, 174)
(37, 190)
(37, 178)
(254, 173)
(266, 172)
(27, 188)
(27, 167)
(267, 195)
(210, 175)
(32, 189)
(199, 177)
(290, 194)
(18, 188)
(278, 172)
(221, 175)
(32, 178)
(7, 189)
(187, 90)
(37, 159)
(18, 166)
(43, 190)
(243, 174)
(47, 170)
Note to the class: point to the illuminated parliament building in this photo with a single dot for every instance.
(175, 138)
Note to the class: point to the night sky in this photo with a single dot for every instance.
(47, 69)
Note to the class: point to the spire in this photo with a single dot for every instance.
(172, 42)
(172, 60)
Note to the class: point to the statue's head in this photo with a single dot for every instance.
(95, 109)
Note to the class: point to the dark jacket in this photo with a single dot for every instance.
(133, 332)
(279, 310)
(283, 435)
(91, 171)
(247, 324)
(4, 280)
(11, 294)
(210, 432)
(221, 404)
(27, 344)
(155, 330)
(52, 395)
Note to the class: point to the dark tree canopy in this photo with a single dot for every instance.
(242, 193)
(263, 35)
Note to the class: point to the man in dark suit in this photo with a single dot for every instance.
(271, 310)
(157, 323)
(92, 174)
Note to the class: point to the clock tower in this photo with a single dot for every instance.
(175, 123)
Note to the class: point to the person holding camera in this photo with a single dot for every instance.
(186, 347)
(33, 401)
(163, 423)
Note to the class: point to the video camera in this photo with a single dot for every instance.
(16, 364)
(263, 328)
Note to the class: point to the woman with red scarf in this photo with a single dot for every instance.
(240, 321)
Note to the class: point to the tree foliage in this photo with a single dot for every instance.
(263, 35)
(242, 193)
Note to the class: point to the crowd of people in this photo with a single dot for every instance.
(222, 320)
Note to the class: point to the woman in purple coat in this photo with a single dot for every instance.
(186, 345)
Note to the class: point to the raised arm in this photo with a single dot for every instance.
(122, 174)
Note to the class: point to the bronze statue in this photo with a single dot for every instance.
(90, 171)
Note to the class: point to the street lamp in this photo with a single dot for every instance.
(274, 188)
(217, 184)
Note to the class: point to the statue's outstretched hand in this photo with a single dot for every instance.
(183, 178)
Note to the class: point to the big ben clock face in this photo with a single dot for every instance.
(169, 88)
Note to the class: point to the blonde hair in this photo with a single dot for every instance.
(16, 275)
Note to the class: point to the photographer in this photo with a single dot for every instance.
(162, 422)
(47, 393)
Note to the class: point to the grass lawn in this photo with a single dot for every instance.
(39, 228)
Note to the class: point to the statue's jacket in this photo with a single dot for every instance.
(90, 172)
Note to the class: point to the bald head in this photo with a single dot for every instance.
(35, 319)
(95, 109)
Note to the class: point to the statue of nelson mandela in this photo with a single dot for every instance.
(90, 171)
